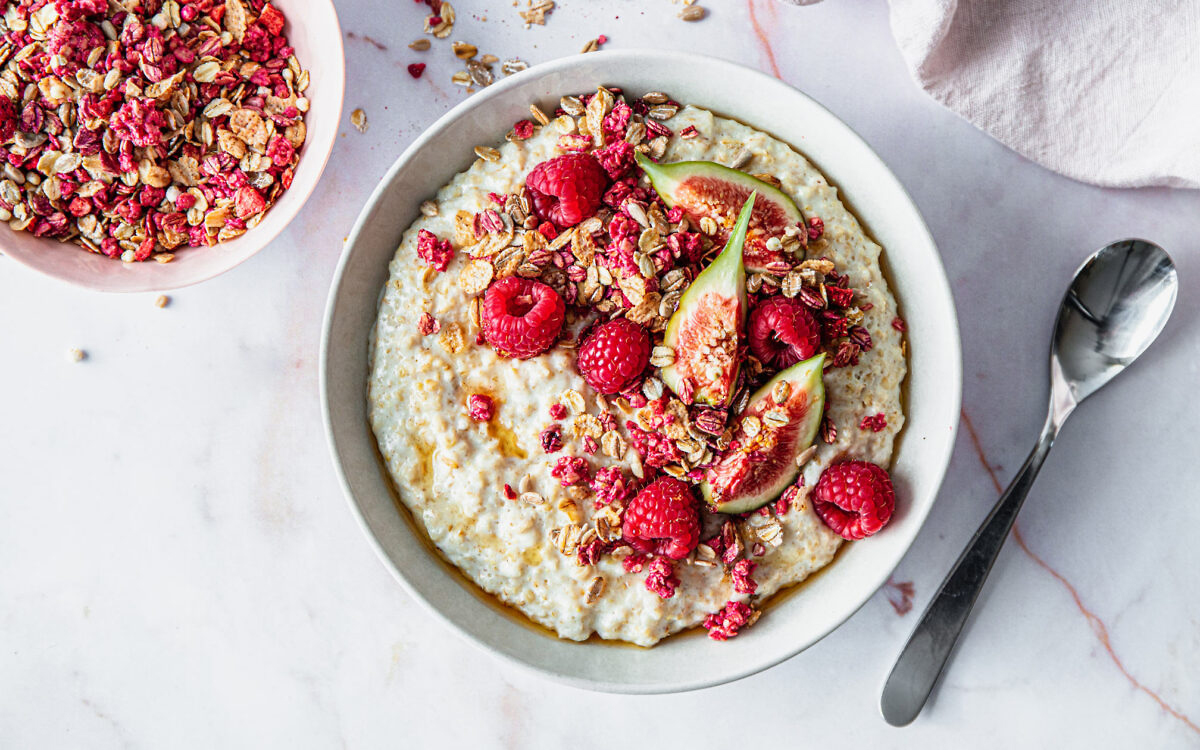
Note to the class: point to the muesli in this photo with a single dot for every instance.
(136, 128)
(638, 369)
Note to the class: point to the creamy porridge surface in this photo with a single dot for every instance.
(450, 471)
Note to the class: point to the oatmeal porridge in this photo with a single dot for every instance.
(637, 369)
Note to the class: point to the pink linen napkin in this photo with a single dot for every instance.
(1104, 91)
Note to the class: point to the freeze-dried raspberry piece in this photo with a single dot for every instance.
(660, 578)
(437, 253)
(138, 122)
(873, 422)
(480, 407)
(248, 202)
(729, 621)
(609, 486)
(616, 158)
(272, 19)
(740, 573)
(570, 470)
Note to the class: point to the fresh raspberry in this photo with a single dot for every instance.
(662, 519)
(480, 407)
(854, 498)
(783, 332)
(567, 189)
(614, 355)
(521, 317)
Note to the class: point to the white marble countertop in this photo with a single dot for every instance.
(178, 567)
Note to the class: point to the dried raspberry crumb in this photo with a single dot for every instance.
(590, 553)
(674, 215)
(272, 19)
(816, 228)
(437, 253)
(899, 324)
(840, 296)
(758, 550)
(732, 618)
(557, 411)
(480, 407)
(509, 492)
(656, 448)
(547, 229)
(416, 69)
(602, 39)
(523, 129)
(661, 578)
(609, 486)
(498, 199)
(570, 470)
(634, 563)
(590, 446)
(428, 324)
(874, 423)
(740, 573)
(551, 439)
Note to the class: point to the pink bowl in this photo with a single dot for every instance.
(313, 30)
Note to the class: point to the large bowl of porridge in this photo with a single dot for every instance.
(506, 566)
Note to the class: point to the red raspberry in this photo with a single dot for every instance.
(854, 498)
(783, 332)
(662, 519)
(521, 317)
(614, 356)
(567, 189)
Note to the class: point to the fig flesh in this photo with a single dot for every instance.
(764, 464)
(709, 325)
(707, 189)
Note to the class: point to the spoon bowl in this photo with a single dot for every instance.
(1116, 306)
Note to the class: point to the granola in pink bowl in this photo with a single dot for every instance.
(618, 359)
(139, 127)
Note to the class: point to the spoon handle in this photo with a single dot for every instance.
(928, 648)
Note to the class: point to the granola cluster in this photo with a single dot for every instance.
(136, 127)
(634, 258)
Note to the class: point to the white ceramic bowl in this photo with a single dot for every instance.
(312, 28)
(934, 381)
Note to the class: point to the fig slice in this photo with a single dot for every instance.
(707, 189)
(764, 463)
(709, 325)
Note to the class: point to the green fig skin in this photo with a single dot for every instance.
(808, 392)
(697, 188)
(711, 312)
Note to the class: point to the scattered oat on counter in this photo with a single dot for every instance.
(536, 12)
(358, 119)
(162, 301)
(693, 13)
(76, 355)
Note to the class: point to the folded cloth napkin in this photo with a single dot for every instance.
(1104, 91)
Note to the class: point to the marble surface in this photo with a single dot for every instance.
(178, 567)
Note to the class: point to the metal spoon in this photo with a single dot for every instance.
(1117, 304)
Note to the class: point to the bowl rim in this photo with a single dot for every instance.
(264, 239)
(937, 284)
